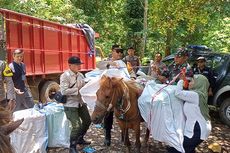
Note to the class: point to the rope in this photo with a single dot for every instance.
(126, 92)
(46, 50)
(45, 27)
(154, 96)
(50, 29)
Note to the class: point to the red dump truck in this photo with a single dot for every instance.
(47, 47)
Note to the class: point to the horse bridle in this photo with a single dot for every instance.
(125, 94)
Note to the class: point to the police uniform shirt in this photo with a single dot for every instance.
(67, 79)
(174, 69)
(208, 73)
(134, 60)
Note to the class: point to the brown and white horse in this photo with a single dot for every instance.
(120, 96)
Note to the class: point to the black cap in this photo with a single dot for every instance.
(75, 60)
(181, 52)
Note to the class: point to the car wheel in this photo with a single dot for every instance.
(48, 90)
(225, 111)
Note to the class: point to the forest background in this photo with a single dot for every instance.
(148, 25)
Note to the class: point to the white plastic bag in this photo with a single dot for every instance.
(32, 135)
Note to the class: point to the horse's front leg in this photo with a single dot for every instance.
(138, 142)
(126, 140)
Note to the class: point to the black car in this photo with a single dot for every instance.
(220, 63)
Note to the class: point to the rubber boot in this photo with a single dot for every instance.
(72, 148)
(107, 141)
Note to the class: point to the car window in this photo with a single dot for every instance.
(169, 61)
(216, 63)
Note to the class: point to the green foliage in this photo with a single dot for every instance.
(60, 11)
(171, 24)
(105, 18)
(133, 23)
(217, 31)
(145, 61)
(185, 22)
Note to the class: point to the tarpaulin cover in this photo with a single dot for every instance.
(163, 113)
(89, 35)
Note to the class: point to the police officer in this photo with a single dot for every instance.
(71, 81)
(9, 94)
(132, 59)
(180, 62)
(207, 72)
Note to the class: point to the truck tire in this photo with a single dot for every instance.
(225, 111)
(48, 90)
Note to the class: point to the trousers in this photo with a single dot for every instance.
(190, 144)
(108, 121)
(80, 120)
(25, 100)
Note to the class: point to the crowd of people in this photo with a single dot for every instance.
(194, 85)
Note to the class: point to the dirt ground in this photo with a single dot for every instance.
(220, 134)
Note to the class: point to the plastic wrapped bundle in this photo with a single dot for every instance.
(32, 134)
(59, 127)
(163, 113)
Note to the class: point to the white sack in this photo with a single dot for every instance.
(59, 127)
(164, 115)
(88, 92)
(32, 135)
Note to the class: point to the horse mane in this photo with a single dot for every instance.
(117, 83)
(133, 86)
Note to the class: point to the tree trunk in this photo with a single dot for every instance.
(168, 42)
(145, 28)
